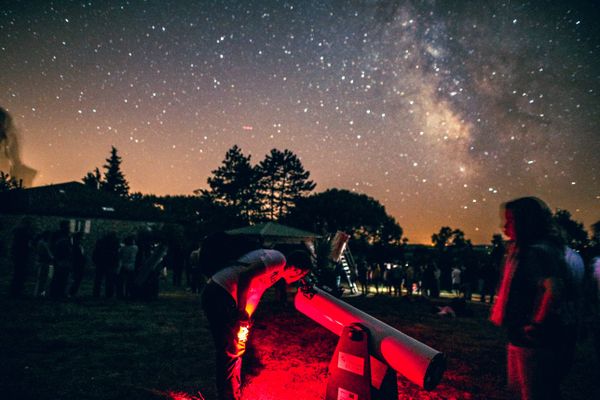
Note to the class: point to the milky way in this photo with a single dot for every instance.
(441, 110)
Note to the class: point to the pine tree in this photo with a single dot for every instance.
(114, 180)
(282, 182)
(93, 179)
(233, 184)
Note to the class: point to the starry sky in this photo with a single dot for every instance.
(441, 110)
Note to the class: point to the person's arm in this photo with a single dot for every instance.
(550, 286)
(548, 300)
(245, 283)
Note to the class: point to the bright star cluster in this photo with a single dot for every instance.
(441, 110)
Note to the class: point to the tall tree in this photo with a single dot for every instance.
(448, 237)
(114, 180)
(374, 234)
(93, 179)
(234, 183)
(441, 239)
(282, 182)
(354, 213)
(451, 248)
(459, 241)
(573, 231)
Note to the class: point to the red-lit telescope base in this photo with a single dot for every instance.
(418, 362)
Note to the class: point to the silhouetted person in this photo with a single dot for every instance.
(230, 299)
(127, 256)
(10, 156)
(375, 276)
(409, 279)
(396, 277)
(574, 314)
(147, 277)
(530, 299)
(437, 275)
(21, 255)
(469, 276)
(196, 279)
(176, 260)
(79, 262)
(361, 274)
(62, 250)
(428, 280)
(43, 261)
(106, 260)
(594, 304)
(492, 270)
(489, 276)
(456, 281)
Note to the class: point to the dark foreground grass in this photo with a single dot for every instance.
(109, 349)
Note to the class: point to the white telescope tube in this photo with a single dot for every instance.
(418, 362)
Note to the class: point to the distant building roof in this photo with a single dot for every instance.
(74, 199)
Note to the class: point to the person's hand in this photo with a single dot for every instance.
(241, 331)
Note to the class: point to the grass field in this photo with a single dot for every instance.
(109, 349)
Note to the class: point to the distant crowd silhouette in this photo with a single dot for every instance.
(425, 279)
(57, 261)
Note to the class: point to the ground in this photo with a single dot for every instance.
(107, 349)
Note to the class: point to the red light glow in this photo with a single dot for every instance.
(243, 333)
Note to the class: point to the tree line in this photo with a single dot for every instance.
(278, 188)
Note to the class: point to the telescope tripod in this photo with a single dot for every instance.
(355, 374)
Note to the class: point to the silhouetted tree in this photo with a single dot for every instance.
(282, 182)
(459, 241)
(114, 180)
(93, 179)
(234, 184)
(572, 231)
(359, 215)
(451, 247)
(442, 238)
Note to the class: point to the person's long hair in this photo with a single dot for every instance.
(533, 221)
(9, 148)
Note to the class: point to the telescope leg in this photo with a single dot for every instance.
(356, 375)
(350, 369)
(384, 381)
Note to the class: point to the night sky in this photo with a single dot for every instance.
(441, 110)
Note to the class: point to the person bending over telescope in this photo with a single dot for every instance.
(231, 297)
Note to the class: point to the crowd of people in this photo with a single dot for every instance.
(425, 279)
(57, 262)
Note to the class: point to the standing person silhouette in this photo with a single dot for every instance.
(62, 252)
(79, 261)
(21, 255)
(10, 156)
(533, 291)
(231, 297)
